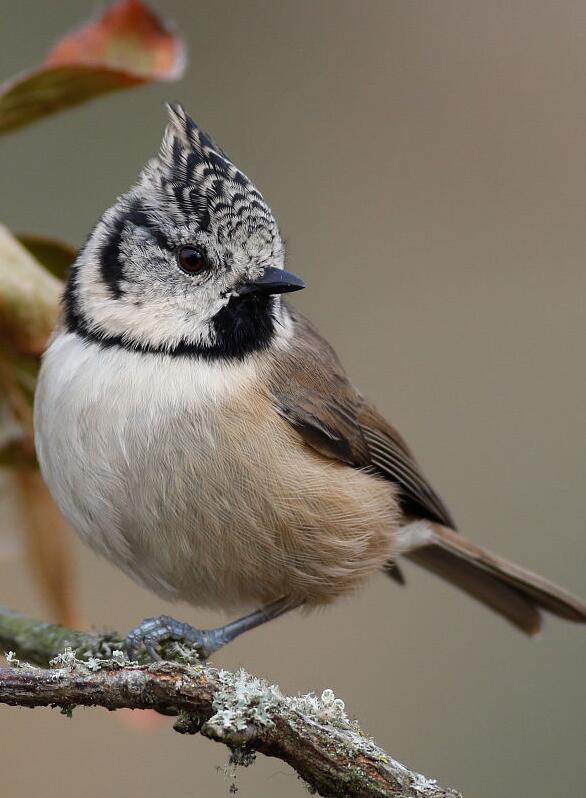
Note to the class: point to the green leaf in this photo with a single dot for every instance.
(56, 256)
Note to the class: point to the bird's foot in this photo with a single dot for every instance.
(153, 633)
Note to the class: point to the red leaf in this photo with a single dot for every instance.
(128, 36)
(127, 46)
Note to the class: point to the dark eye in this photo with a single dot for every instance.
(191, 259)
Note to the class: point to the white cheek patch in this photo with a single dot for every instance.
(147, 312)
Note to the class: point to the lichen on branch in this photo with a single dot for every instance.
(313, 734)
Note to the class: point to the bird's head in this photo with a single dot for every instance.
(189, 260)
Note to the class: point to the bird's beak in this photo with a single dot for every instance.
(272, 281)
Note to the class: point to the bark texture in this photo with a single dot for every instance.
(313, 735)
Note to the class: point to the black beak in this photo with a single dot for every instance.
(272, 281)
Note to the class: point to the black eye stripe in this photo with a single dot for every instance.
(110, 260)
(110, 265)
(137, 216)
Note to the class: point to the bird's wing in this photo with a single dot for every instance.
(311, 390)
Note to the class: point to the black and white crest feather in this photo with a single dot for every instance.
(198, 181)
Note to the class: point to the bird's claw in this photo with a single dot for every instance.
(152, 633)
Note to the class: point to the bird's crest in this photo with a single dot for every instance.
(198, 180)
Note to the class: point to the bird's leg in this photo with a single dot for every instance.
(152, 632)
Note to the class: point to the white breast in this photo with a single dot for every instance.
(183, 474)
(127, 443)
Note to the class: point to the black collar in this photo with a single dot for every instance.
(245, 325)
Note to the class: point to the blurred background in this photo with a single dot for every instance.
(426, 162)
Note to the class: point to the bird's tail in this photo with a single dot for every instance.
(517, 594)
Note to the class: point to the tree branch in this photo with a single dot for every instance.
(313, 735)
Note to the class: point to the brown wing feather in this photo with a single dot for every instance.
(311, 390)
(515, 592)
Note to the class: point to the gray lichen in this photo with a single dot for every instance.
(323, 709)
(69, 660)
(246, 704)
(243, 700)
(12, 659)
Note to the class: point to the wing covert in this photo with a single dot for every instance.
(312, 392)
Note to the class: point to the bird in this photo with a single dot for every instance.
(196, 430)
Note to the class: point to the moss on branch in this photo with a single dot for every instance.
(312, 734)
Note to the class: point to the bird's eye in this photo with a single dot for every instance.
(191, 259)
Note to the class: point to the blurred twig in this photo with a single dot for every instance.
(314, 736)
(47, 542)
